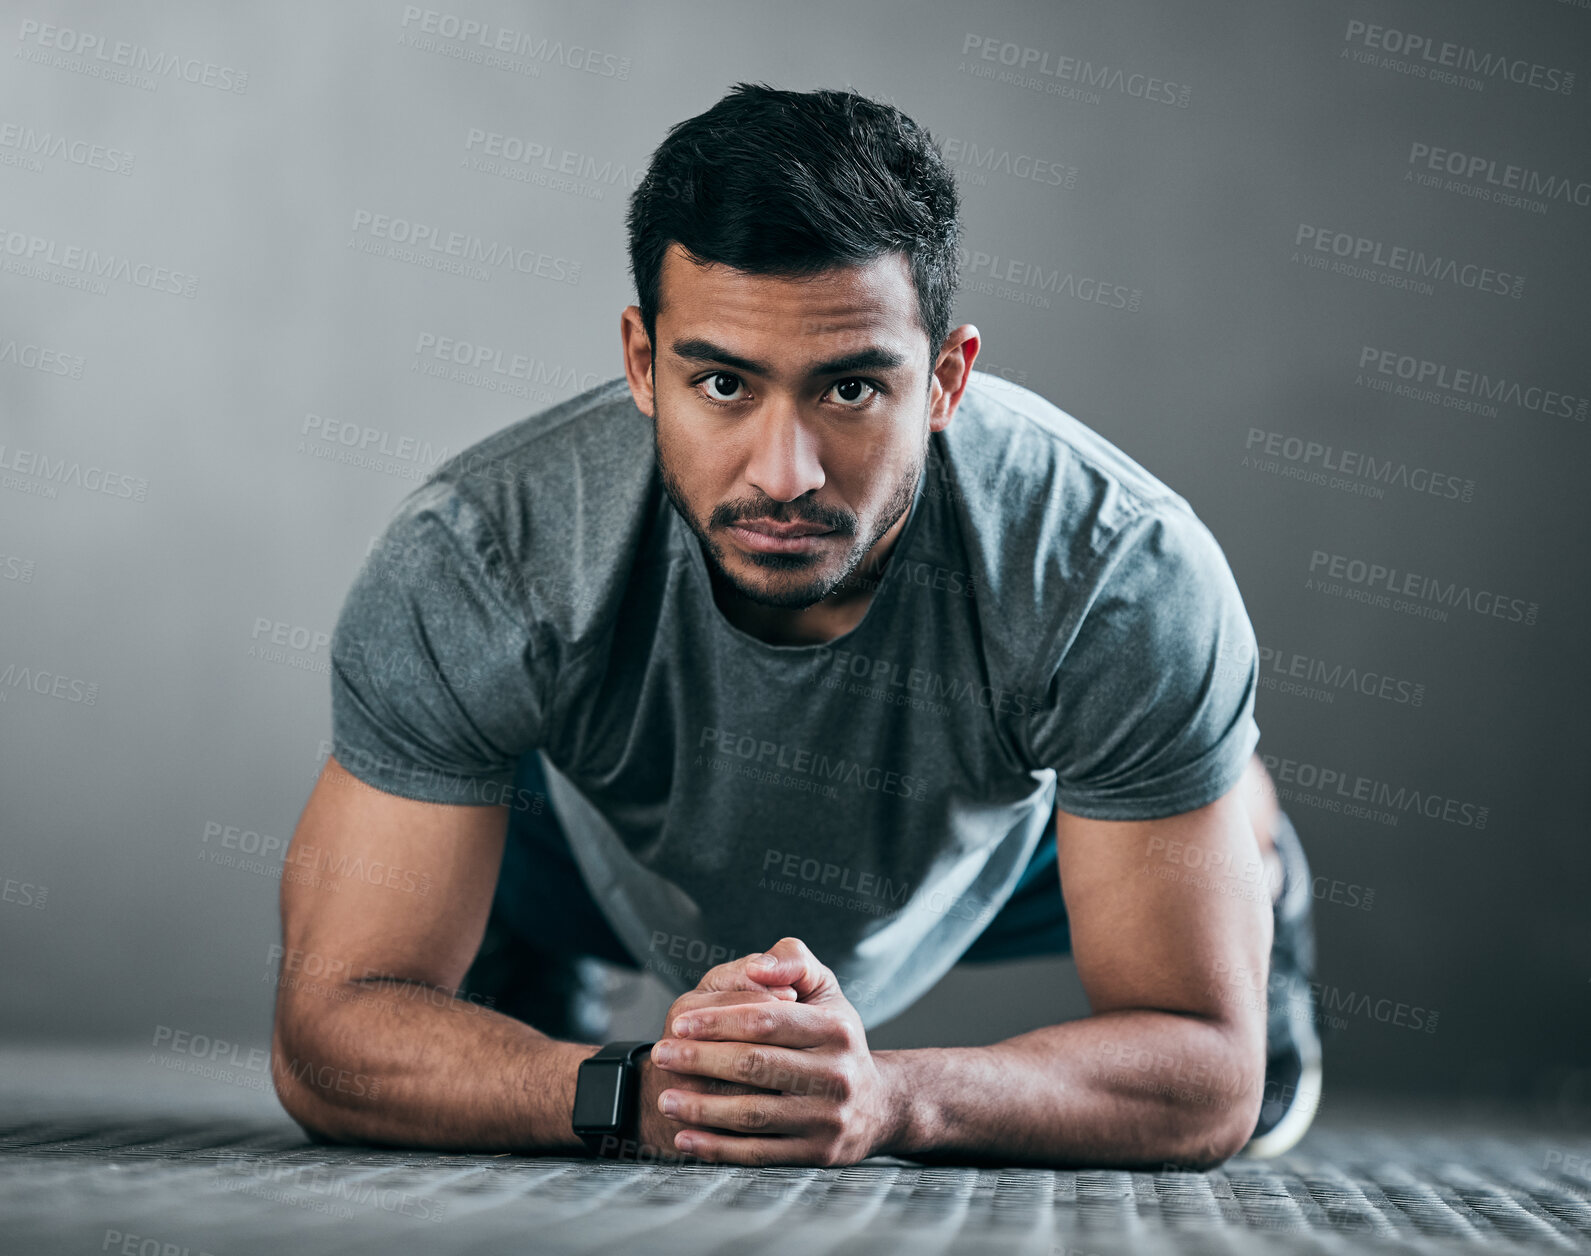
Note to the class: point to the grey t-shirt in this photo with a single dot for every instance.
(1054, 627)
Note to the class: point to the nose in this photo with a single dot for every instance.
(783, 462)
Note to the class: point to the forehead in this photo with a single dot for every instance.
(876, 296)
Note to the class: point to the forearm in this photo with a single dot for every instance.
(1121, 1089)
(410, 1065)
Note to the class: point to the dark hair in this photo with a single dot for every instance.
(792, 183)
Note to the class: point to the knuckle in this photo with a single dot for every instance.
(751, 1063)
(755, 1117)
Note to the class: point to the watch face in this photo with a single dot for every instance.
(597, 1095)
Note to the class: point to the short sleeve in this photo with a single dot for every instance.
(1149, 710)
(435, 682)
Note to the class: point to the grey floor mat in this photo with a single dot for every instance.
(109, 1157)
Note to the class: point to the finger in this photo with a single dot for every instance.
(695, 999)
(760, 1114)
(767, 1067)
(743, 1149)
(777, 1023)
(733, 976)
(789, 961)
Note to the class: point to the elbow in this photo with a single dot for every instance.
(1215, 1121)
(298, 1099)
(1211, 1144)
(307, 1113)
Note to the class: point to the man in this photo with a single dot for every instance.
(755, 650)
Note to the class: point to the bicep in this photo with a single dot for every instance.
(378, 884)
(1164, 914)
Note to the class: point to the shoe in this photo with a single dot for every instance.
(1293, 1055)
(564, 996)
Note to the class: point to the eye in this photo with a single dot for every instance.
(848, 392)
(721, 387)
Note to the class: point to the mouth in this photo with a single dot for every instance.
(769, 537)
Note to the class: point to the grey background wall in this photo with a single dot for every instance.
(1322, 268)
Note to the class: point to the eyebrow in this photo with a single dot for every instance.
(873, 358)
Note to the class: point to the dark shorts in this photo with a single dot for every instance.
(542, 896)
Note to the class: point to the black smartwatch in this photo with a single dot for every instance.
(607, 1089)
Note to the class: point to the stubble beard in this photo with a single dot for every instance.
(801, 595)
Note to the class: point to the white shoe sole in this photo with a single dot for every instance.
(1293, 1126)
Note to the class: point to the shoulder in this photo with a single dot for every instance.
(1047, 505)
(996, 412)
(597, 438)
(550, 506)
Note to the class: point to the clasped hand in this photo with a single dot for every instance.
(820, 1098)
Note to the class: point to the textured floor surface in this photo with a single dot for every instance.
(115, 1152)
